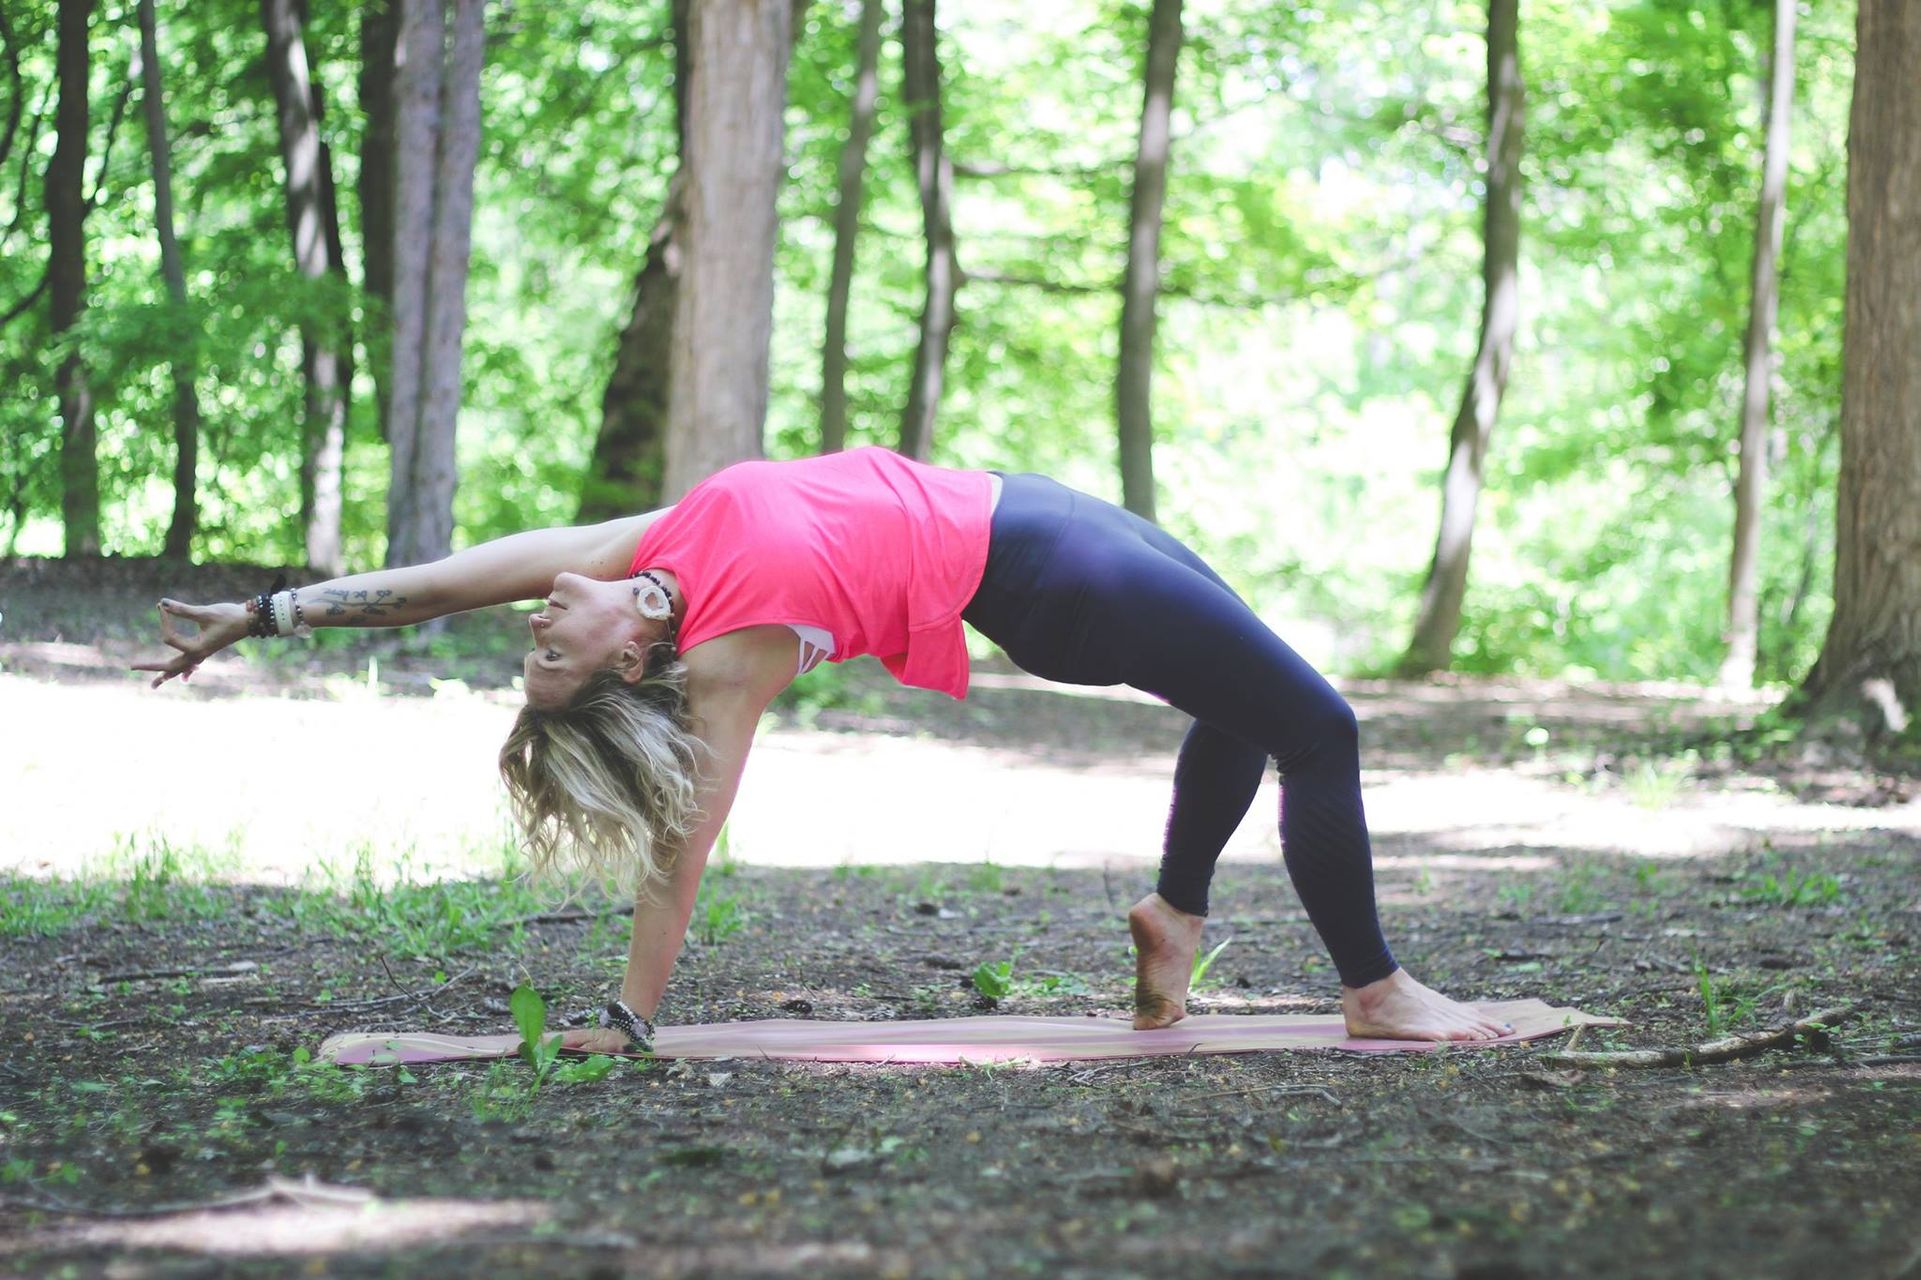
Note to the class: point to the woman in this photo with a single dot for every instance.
(665, 636)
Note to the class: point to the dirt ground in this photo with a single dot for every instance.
(197, 885)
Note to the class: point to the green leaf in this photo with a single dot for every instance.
(530, 1016)
(994, 979)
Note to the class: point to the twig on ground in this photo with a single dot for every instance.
(1726, 1049)
(1268, 1088)
(305, 1191)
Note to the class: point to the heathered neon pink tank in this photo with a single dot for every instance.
(881, 552)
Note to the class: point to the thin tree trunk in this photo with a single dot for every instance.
(1439, 618)
(376, 183)
(934, 174)
(627, 470)
(1869, 672)
(308, 217)
(67, 282)
(1134, 375)
(417, 71)
(723, 318)
(853, 172)
(435, 469)
(186, 402)
(1764, 292)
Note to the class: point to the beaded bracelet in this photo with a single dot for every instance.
(638, 1030)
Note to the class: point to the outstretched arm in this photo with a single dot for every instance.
(520, 566)
(661, 915)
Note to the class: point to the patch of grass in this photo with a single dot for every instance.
(994, 978)
(1657, 784)
(1203, 963)
(986, 877)
(718, 916)
(1792, 889)
(1580, 895)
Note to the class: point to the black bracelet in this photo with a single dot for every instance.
(639, 1031)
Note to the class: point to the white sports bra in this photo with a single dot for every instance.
(816, 646)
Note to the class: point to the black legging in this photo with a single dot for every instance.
(1078, 590)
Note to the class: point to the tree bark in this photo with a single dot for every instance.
(437, 139)
(1764, 292)
(376, 182)
(853, 172)
(1869, 672)
(627, 470)
(417, 71)
(1134, 374)
(186, 402)
(67, 282)
(1439, 618)
(934, 174)
(314, 231)
(723, 316)
(435, 467)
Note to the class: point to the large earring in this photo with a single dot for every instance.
(653, 602)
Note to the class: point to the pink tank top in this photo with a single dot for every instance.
(881, 552)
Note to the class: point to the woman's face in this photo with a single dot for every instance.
(587, 625)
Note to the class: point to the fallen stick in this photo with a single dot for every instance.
(1726, 1049)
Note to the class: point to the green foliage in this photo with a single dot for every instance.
(1202, 963)
(994, 978)
(1320, 296)
(536, 1049)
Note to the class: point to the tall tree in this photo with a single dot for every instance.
(67, 281)
(1869, 671)
(1764, 299)
(375, 187)
(313, 222)
(437, 139)
(1439, 618)
(934, 174)
(724, 308)
(853, 173)
(1140, 287)
(626, 471)
(186, 401)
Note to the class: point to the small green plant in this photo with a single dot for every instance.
(717, 916)
(994, 978)
(1793, 889)
(1657, 784)
(986, 877)
(1579, 895)
(536, 1049)
(1514, 896)
(1203, 963)
(1712, 1009)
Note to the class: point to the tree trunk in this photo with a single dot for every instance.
(853, 172)
(724, 309)
(309, 217)
(437, 133)
(1764, 293)
(934, 173)
(376, 183)
(186, 402)
(1134, 374)
(417, 67)
(1439, 618)
(627, 470)
(435, 468)
(67, 282)
(1869, 672)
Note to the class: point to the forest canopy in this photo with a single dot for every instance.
(1320, 290)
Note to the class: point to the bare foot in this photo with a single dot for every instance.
(1165, 941)
(1399, 1008)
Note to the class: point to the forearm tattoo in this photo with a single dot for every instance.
(362, 606)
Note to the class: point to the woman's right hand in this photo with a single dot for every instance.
(219, 626)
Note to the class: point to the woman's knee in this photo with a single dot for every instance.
(1325, 729)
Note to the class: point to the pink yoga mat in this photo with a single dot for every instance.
(965, 1040)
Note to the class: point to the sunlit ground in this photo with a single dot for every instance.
(280, 790)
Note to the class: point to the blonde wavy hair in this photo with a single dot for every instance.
(605, 782)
